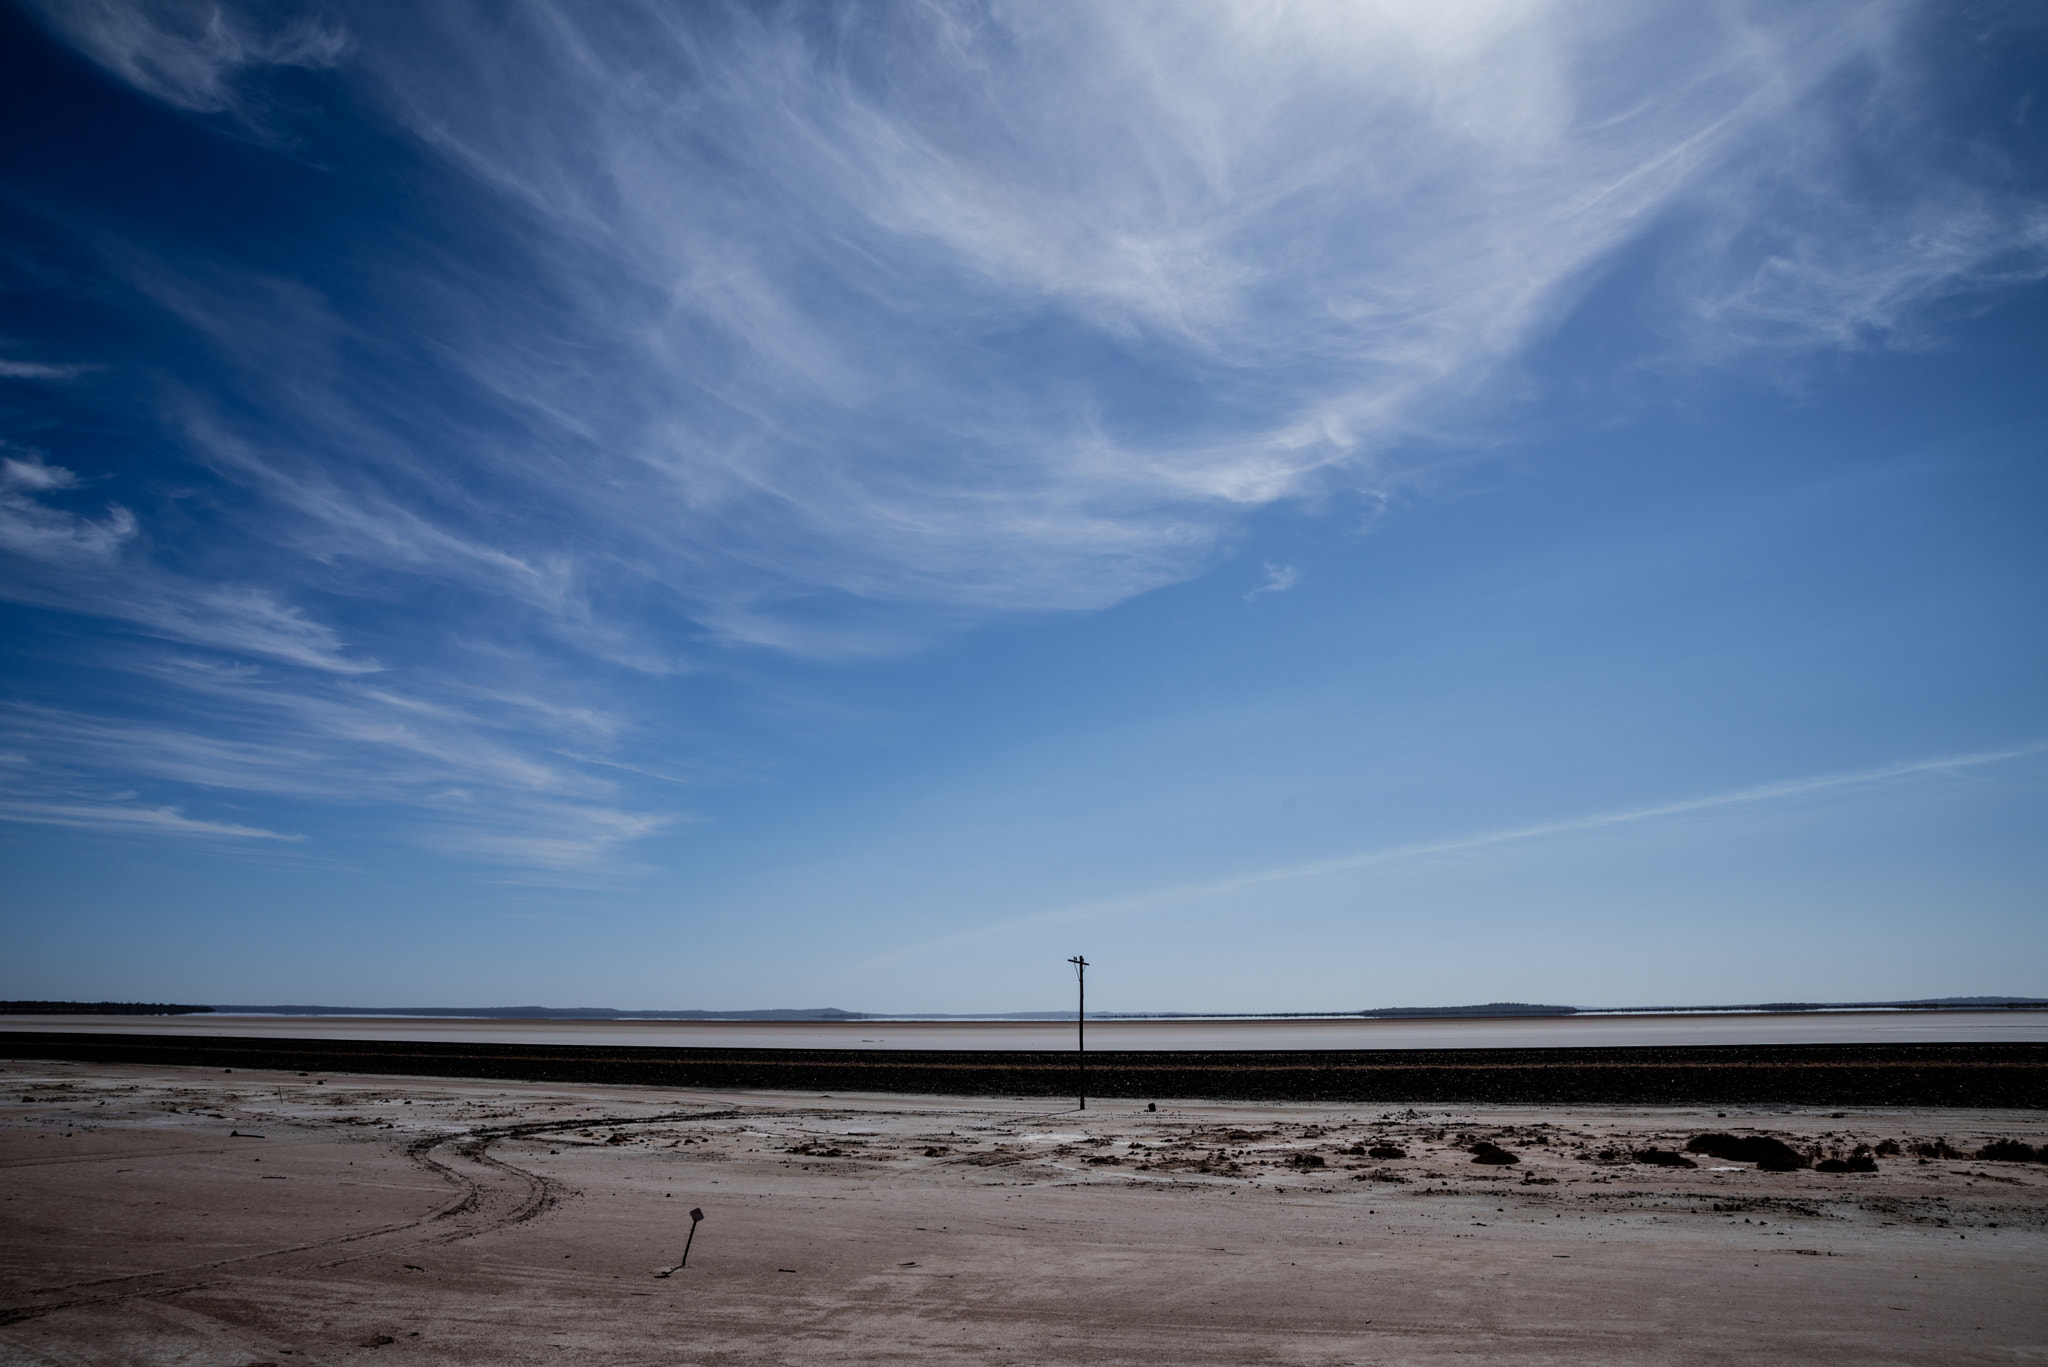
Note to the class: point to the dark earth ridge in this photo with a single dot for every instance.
(1980, 1075)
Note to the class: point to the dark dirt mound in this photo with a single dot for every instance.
(1386, 1151)
(2012, 1151)
(1860, 1163)
(1483, 1152)
(1771, 1155)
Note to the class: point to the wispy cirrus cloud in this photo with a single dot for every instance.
(1279, 579)
(85, 563)
(482, 768)
(809, 301)
(39, 370)
(189, 54)
(32, 530)
(690, 333)
(476, 786)
(1183, 894)
(121, 819)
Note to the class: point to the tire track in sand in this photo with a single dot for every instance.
(497, 1196)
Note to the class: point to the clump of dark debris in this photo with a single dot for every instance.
(1861, 1162)
(819, 1151)
(1770, 1155)
(1663, 1158)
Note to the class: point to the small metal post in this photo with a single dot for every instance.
(1081, 1027)
(695, 1216)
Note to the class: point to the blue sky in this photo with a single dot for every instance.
(1312, 505)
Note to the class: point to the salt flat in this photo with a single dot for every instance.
(176, 1215)
(1543, 1032)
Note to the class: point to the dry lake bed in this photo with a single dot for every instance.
(186, 1216)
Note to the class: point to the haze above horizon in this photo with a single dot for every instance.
(637, 500)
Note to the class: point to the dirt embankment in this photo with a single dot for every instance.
(2004, 1075)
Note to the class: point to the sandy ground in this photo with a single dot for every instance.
(171, 1216)
(1553, 1032)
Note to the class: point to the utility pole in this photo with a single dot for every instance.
(1081, 1025)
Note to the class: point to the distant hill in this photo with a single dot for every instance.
(1489, 1009)
(1917, 1004)
(99, 1009)
(815, 1013)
